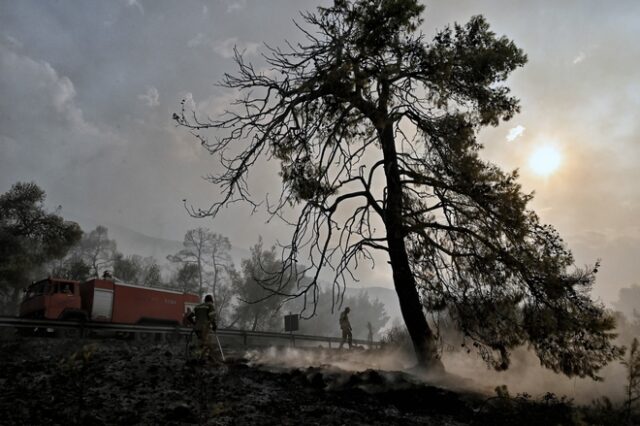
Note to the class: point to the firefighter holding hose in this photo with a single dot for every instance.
(204, 323)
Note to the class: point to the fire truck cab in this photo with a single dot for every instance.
(52, 298)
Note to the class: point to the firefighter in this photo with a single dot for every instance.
(203, 319)
(345, 326)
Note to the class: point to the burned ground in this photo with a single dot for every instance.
(106, 382)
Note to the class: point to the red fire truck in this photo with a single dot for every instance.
(105, 300)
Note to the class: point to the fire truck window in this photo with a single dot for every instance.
(67, 288)
(46, 288)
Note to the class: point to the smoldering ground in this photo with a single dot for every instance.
(101, 382)
(464, 371)
(58, 381)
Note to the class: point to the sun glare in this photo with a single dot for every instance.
(545, 160)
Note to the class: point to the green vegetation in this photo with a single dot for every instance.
(30, 237)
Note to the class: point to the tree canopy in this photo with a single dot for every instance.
(204, 248)
(258, 307)
(375, 128)
(97, 250)
(30, 236)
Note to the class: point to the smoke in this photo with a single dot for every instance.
(526, 375)
(464, 372)
(352, 360)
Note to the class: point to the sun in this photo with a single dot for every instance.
(545, 160)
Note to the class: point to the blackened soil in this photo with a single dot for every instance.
(110, 382)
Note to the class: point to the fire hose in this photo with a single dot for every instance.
(219, 345)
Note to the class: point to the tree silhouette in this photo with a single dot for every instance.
(30, 236)
(186, 277)
(375, 131)
(128, 269)
(258, 308)
(71, 267)
(195, 252)
(203, 248)
(220, 262)
(152, 274)
(97, 250)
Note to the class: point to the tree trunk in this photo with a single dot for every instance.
(421, 334)
(199, 278)
(215, 281)
(255, 323)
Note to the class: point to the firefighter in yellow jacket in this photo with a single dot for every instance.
(203, 319)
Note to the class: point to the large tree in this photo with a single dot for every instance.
(220, 262)
(196, 251)
(186, 277)
(152, 276)
(97, 250)
(259, 308)
(375, 130)
(204, 248)
(71, 267)
(30, 236)
(128, 269)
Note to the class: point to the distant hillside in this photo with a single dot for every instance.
(133, 242)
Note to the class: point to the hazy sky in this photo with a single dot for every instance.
(87, 89)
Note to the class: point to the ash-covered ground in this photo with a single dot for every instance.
(47, 381)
